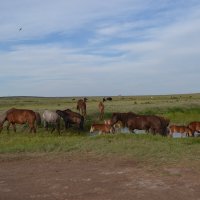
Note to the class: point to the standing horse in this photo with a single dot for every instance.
(71, 117)
(81, 107)
(148, 123)
(101, 110)
(20, 116)
(51, 117)
(180, 129)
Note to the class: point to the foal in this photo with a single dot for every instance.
(81, 107)
(101, 110)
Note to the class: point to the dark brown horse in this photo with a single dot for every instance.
(81, 107)
(148, 123)
(122, 117)
(20, 116)
(71, 117)
(101, 110)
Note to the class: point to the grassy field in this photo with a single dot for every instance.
(180, 109)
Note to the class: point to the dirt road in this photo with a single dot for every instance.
(89, 178)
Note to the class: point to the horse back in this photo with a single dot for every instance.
(21, 116)
(50, 116)
(179, 129)
(195, 126)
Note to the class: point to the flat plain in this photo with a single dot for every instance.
(78, 165)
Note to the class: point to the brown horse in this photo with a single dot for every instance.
(180, 129)
(81, 107)
(20, 116)
(148, 123)
(122, 117)
(102, 128)
(194, 126)
(101, 110)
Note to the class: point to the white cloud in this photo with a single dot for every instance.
(122, 54)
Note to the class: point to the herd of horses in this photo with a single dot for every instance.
(149, 123)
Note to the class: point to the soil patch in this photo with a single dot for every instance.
(88, 177)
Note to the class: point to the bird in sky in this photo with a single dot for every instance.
(20, 28)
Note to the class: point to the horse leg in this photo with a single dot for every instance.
(170, 133)
(8, 126)
(46, 126)
(58, 128)
(85, 114)
(131, 129)
(100, 116)
(32, 128)
(14, 127)
(53, 128)
(66, 125)
(187, 134)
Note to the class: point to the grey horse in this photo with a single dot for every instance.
(51, 117)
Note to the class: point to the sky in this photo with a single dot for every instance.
(99, 48)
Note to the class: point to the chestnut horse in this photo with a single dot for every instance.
(81, 107)
(180, 129)
(101, 110)
(194, 126)
(102, 128)
(20, 116)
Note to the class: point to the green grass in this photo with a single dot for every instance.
(180, 109)
(139, 147)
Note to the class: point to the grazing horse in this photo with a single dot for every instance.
(180, 129)
(102, 128)
(81, 107)
(20, 116)
(147, 123)
(71, 117)
(122, 117)
(117, 126)
(101, 110)
(51, 117)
